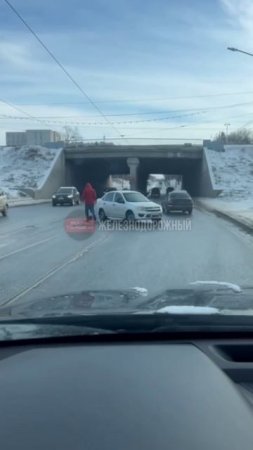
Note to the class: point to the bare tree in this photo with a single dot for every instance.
(240, 136)
(220, 137)
(72, 134)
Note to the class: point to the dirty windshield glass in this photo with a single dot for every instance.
(145, 98)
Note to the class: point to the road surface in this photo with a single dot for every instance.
(38, 259)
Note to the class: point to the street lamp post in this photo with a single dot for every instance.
(233, 49)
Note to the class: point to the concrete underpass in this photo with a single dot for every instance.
(95, 171)
(189, 169)
(96, 164)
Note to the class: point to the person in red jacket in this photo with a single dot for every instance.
(89, 197)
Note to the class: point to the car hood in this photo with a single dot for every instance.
(199, 298)
(143, 204)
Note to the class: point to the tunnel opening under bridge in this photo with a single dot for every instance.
(165, 183)
(98, 172)
(82, 166)
(188, 170)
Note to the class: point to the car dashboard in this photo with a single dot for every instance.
(187, 395)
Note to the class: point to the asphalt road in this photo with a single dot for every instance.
(39, 259)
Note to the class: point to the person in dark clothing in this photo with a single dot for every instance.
(89, 197)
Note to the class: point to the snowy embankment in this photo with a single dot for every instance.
(24, 167)
(232, 172)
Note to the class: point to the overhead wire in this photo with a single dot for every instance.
(89, 99)
(66, 72)
(20, 110)
(99, 124)
(141, 100)
(103, 124)
(184, 110)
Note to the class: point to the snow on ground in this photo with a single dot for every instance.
(120, 183)
(233, 173)
(26, 166)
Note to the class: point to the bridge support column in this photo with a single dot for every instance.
(133, 164)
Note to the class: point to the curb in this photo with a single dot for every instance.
(39, 202)
(239, 223)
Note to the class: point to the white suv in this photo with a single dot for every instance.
(3, 203)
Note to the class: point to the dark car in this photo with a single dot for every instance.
(66, 196)
(178, 201)
(169, 190)
(155, 193)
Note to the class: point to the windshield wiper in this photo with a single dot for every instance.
(152, 322)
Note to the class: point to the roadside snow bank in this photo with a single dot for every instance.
(26, 166)
(233, 173)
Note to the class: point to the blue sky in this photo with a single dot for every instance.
(163, 59)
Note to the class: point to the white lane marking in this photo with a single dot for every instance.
(53, 271)
(12, 232)
(35, 244)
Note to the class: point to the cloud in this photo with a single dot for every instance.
(14, 54)
(167, 51)
(241, 14)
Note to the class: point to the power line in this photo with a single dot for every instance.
(77, 85)
(191, 113)
(11, 105)
(140, 100)
(103, 124)
(6, 117)
(204, 109)
(185, 110)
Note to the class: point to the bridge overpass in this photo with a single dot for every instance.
(97, 162)
(79, 163)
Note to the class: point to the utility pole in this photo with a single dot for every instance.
(226, 125)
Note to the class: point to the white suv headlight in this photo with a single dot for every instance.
(70, 196)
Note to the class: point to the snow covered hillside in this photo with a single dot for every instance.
(24, 167)
(233, 172)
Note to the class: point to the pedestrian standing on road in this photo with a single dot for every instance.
(89, 197)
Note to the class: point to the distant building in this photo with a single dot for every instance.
(40, 137)
(32, 137)
(15, 139)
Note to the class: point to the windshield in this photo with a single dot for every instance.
(179, 195)
(134, 197)
(65, 191)
(126, 159)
